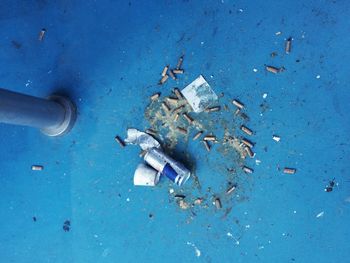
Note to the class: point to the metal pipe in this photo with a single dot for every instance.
(53, 116)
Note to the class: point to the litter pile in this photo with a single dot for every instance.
(195, 112)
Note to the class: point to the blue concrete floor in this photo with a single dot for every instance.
(108, 57)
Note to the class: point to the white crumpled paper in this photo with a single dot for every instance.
(199, 94)
(143, 139)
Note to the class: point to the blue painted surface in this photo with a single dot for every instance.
(108, 56)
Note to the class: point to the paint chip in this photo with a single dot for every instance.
(320, 214)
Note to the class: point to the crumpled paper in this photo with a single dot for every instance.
(143, 139)
(199, 94)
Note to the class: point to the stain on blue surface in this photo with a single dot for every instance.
(107, 55)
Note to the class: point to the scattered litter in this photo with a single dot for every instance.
(246, 130)
(179, 63)
(155, 96)
(178, 71)
(218, 204)
(230, 189)
(238, 104)
(276, 138)
(318, 76)
(240, 10)
(181, 130)
(178, 93)
(248, 170)
(143, 139)
(42, 34)
(167, 166)
(128, 199)
(207, 146)
(289, 170)
(278, 33)
(146, 176)
(165, 70)
(213, 109)
(198, 134)
(209, 138)
(66, 226)
(255, 70)
(197, 251)
(249, 151)
(320, 214)
(247, 143)
(198, 201)
(37, 167)
(172, 75)
(257, 162)
(187, 118)
(329, 187)
(199, 94)
(273, 69)
(163, 80)
(288, 46)
(264, 95)
(151, 132)
(28, 83)
(183, 204)
(165, 106)
(171, 191)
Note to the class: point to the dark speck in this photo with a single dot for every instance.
(298, 60)
(16, 44)
(329, 189)
(66, 226)
(34, 218)
(150, 215)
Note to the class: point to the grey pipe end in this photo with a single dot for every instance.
(69, 118)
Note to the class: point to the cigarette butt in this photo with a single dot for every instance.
(179, 62)
(179, 108)
(182, 130)
(142, 153)
(247, 143)
(212, 109)
(176, 117)
(246, 130)
(198, 134)
(163, 79)
(198, 201)
(218, 203)
(244, 116)
(172, 75)
(248, 170)
(120, 141)
(172, 100)
(165, 106)
(230, 189)
(178, 93)
(155, 96)
(207, 146)
(288, 47)
(151, 132)
(209, 138)
(37, 167)
(165, 70)
(289, 170)
(178, 71)
(238, 104)
(188, 118)
(249, 151)
(237, 111)
(272, 69)
(42, 34)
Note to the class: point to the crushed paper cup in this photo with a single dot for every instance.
(146, 176)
